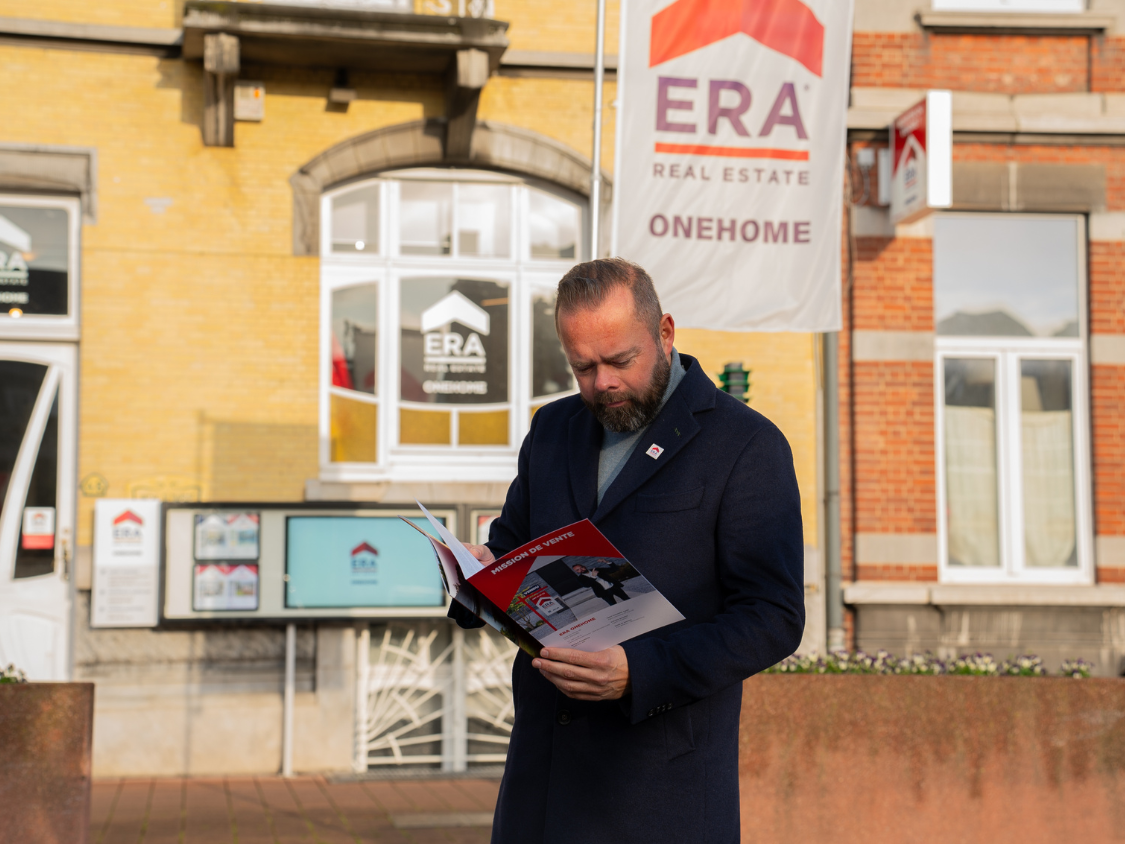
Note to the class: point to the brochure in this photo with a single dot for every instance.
(569, 588)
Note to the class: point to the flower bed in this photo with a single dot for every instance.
(826, 755)
(882, 662)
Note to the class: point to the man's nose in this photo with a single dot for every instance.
(606, 380)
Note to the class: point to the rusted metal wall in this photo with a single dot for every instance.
(45, 742)
(845, 759)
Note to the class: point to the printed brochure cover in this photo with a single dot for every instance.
(569, 588)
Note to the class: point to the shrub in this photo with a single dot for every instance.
(11, 674)
(882, 662)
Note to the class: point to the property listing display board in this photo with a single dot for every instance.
(273, 561)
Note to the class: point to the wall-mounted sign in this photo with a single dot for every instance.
(921, 144)
(454, 341)
(126, 560)
(335, 561)
(731, 131)
(34, 260)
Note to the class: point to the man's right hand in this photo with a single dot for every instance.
(481, 552)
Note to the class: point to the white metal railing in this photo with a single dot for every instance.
(430, 694)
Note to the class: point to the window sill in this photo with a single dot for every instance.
(862, 593)
(996, 23)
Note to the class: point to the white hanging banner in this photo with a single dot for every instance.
(730, 171)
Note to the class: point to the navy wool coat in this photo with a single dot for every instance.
(715, 524)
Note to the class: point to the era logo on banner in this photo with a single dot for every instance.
(786, 26)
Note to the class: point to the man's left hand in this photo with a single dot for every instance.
(603, 675)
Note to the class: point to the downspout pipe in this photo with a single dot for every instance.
(834, 593)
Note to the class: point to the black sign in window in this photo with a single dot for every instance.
(34, 260)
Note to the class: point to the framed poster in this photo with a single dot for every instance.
(224, 587)
(226, 536)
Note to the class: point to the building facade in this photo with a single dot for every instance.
(234, 238)
(983, 360)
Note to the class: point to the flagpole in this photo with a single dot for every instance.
(595, 168)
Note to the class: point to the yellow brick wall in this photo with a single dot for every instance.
(199, 326)
(146, 13)
(782, 387)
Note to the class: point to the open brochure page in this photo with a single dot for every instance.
(570, 588)
(573, 589)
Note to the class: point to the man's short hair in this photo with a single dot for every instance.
(587, 286)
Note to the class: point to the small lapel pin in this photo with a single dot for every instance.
(654, 451)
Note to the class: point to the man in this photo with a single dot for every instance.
(713, 520)
(602, 588)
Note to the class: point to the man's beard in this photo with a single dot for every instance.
(639, 409)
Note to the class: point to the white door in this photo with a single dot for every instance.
(38, 406)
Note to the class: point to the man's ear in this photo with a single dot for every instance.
(667, 334)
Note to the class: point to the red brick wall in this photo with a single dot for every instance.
(894, 400)
(1107, 394)
(1011, 64)
(881, 571)
(894, 425)
(894, 284)
(1107, 64)
(1107, 288)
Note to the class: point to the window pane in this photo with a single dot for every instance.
(424, 427)
(424, 217)
(454, 341)
(1006, 276)
(355, 221)
(1010, 5)
(483, 220)
(355, 312)
(34, 260)
(354, 430)
(35, 553)
(970, 462)
(550, 372)
(487, 428)
(1047, 430)
(20, 383)
(554, 225)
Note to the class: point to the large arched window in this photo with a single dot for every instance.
(437, 331)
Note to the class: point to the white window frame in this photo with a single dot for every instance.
(1007, 352)
(387, 268)
(43, 326)
(1014, 6)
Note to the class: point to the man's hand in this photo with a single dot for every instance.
(481, 552)
(603, 675)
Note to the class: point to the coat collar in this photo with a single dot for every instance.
(673, 427)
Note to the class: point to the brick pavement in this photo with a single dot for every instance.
(310, 810)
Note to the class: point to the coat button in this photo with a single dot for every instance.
(563, 717)
(651, 712)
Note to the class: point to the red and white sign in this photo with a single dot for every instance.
(543, 601)
(126, 554)
(731, 158)
(921, 146)
(38, 529)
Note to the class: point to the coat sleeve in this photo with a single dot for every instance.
(760, 561)
(509, 530)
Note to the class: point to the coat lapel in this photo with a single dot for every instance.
(671, 430)
(583, 445)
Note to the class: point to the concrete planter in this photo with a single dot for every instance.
(932, 759)
(45, 740)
